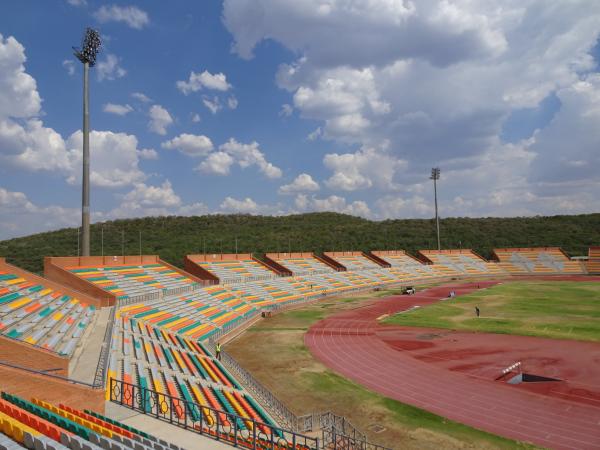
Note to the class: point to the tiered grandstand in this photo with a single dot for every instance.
(164, 319)
(230, 269)
(121, 278)
(461, 262)
(353, 261)
(545, 260)
(301, 263)
(197, 314)
(405, 266)
(153, 358)
(39, 425)
(593, 264)
(37, 312)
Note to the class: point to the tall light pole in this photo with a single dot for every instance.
(435, 175)
(90, 46)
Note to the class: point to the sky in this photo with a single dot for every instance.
(288, 106)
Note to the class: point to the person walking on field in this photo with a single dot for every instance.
(218, 351)
(477, 311)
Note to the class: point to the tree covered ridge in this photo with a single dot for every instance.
(173, 237)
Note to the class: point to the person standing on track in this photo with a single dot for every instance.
(218, 351)
(477, 311)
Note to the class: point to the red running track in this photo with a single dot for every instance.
(350, 343)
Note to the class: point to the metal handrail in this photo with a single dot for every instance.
(217, 424)
(333, 440)
(101, 367)
(275, 406)
(46, 374)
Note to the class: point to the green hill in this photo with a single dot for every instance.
(173, 237)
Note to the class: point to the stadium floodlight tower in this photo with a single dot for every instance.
(90, 46)
(435, 175)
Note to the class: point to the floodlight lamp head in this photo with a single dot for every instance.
(90, 46)
(435, 174)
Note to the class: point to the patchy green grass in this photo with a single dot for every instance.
(274, 352)
(562, 310)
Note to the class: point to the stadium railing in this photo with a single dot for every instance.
(333, 440)
(275, 407)
(102, 366)
(207, 421)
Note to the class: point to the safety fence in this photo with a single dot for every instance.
(220, 332)
(142, 298)
(333, 440)
(47, 373)
(220, 425)
(101, 367)
(281, 413)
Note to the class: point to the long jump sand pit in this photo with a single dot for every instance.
(454, 373)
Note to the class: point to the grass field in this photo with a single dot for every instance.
(562, 310)
(273, 351)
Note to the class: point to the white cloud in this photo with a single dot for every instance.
(561, 159)
(214, 105)
(190, 144)
(334, 32)
(332, 203)
(33, 147)
(286, 110)
(196, 118)
(245, 206)
(244, 155)
(19, 97)
(133, 16)
(147, 200)
(314, 135)
(302, 183)
(147, 153)
(160, 120)
(204, 80)
(20, 217)
(119, 110)
(247, 155)
(69, 66)
(109, 68)
(232, 102)
(114, 160)
(362, 169)
(217, 163)
(434, 84)
(141, 97)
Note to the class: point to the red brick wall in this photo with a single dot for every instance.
(28, 385)
(52, 271)
(21, 354)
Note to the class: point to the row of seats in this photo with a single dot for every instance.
(461, 262)
(126, 281)
(356, 262)
(237, 271)
(181, 368)
(39, 425)
(197, 314)
(593, 264)
(304, 266)
(41, 316)
(536, 260)
(137, 341)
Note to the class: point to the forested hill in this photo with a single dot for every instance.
(174, 237)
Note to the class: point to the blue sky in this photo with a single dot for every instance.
(276, 107)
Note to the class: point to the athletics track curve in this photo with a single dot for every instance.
(351, 344)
